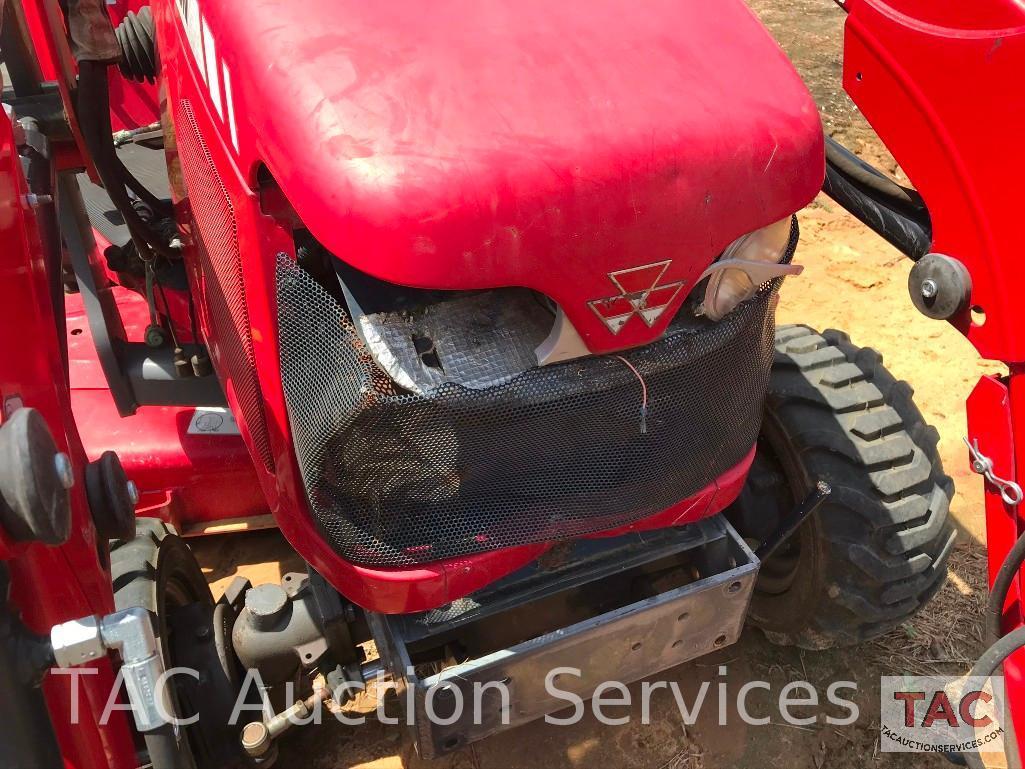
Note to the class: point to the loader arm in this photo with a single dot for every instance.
(932, 78)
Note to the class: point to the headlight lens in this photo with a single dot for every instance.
(744, 266)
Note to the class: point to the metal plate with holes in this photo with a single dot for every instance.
(625, 644)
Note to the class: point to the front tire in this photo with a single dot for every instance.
(875, 552)
(157, 571)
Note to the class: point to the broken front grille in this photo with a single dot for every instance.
(559, 451)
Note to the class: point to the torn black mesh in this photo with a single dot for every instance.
(555, 453)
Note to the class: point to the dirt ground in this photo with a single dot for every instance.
(855, 282)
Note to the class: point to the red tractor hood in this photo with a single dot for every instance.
(458, 144)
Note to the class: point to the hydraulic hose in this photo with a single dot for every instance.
(987, 664)
(871, 181)
(94, 119)
(158, 206)
(992, 658)
(897, 214)
(911, 237)
(1002, 585)
(1004, 646)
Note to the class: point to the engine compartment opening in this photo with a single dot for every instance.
(423, 339)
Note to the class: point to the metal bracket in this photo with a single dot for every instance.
(100, 310)
(581, 610)
(1010, 491)
(802, 513)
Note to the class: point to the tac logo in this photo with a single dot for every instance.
(941, 713)
(641, 293)
(941, 709)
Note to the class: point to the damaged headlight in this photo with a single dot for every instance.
(744, 266)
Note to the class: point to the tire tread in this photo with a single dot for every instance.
(886, 524)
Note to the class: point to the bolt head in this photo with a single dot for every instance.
(133, 493)
(929, 288)
(65, 472)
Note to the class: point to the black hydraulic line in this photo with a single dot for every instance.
(115, 169)
(873, 182)
(165, 750)
(1002, 585)
(93, 104)
(1006, 645)
(94, 119)
(910, 236)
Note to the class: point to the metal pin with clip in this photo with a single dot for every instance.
(1010, 491)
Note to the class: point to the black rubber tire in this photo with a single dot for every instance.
(157, 571)
(876, 551)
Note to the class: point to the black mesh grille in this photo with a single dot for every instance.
(557, 452)
(223, 287)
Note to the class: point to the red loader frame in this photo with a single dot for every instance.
(933, 79)
(50, 585)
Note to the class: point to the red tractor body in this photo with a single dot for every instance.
(464, 146)
(461, 149)
(475, 303)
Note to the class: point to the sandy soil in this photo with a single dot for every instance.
(855, 282)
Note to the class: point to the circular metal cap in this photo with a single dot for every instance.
(939, 286)
(266, 603)
(154, 336)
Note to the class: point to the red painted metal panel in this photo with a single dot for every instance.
(989, 422)
(937, 78)
(52, 584)
(474, 145)
(996, 418)
(1014, 667)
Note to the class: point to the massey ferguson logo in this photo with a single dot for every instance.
(640, 293)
